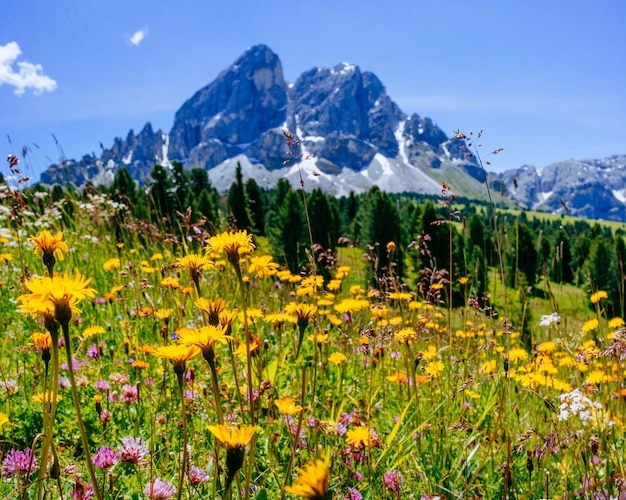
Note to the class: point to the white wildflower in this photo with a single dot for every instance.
(548, 319)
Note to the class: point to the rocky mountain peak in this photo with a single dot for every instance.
(244, 101)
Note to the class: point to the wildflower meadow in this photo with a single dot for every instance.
(195, 360)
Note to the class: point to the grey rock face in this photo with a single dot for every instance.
(242, 103)
(343, 115)
(593, 189)
(138, 153)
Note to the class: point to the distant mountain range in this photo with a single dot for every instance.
(351, 136)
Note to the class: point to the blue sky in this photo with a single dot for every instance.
(545, 79)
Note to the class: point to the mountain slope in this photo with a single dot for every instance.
(351, 135)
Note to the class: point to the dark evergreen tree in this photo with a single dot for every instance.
(207, 205)
(237, 202)
(522, 258)
(161, 196)
(324, 227)
(199, 180)
(620, 255)
(436, 230)
(601, 271)
(180, 181)
(380, 226)
(291, 231)
(561, 269)
(124, 188)
(256, 207)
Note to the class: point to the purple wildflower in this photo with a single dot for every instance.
(133, 450)
(82, 491)
(198, 475)
(354, 494)
(102, 385)
(130, 394)
(158, 489)
(393, 481)
(17, 461)
(92, 352)
(105, 458)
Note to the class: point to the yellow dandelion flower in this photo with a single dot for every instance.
(178, 354)
(471, 394)
(430, 352)
(111, 264)
(254, 344)
(434, 368)
(595, 377)
(213, 308)
(139, 365)
(464, 280)
(4, 418)
(252, 313)
(561, 385)
(226, 318)
(337, 358)
(334, 285)
(57, 296)
(590, 325)
(6, 257)
(436, 286)
(616, 323)
(488, 367)
(277, 319)
(262, 267)
(42, 340)
(48, 245)
(287, 405)
(398, 377)
(156, 256)
(195, 262)
(325, 302)
(546, 347)
(319, 338)
(405, 335)
(232, 436)
(90, 331)
(205, 338)
(378, 311)
(171, 282)
(163, 314)
(598, 296)
(45, 397)
(517, 354)
(401, 296)
(414, 305)
(233, 244)
(350, 305)
(312, 483)
(334, 320)
(362, 435)
(304, 312)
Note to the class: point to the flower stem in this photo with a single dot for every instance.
(181, 479)
(79, 416)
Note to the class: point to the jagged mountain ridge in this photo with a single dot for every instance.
(593, 189)
(352, 135)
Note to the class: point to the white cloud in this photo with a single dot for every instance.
(27, 76)
(138, 36)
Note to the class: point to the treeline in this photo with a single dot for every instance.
(404, 238)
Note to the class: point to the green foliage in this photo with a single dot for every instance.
(237, 202)
(379, 224)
